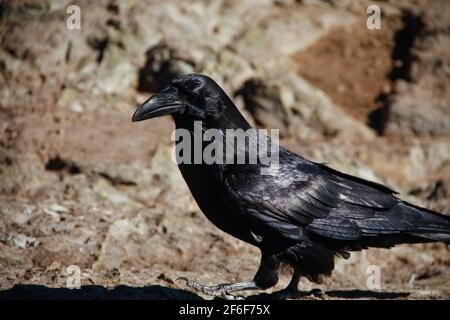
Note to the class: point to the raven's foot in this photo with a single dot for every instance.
(221, 290)
(292, 292)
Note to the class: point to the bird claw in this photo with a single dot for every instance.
(216, 291)
(182, 278)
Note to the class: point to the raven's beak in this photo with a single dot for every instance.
(160, 104)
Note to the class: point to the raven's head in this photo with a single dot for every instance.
(192, 96)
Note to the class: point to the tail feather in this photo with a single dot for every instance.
(426, 223)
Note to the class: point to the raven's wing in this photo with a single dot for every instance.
(301, 196)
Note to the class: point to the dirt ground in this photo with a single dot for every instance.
(80, 185)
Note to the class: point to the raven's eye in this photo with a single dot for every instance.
(190, 95)
(193, 97)
(192, 86)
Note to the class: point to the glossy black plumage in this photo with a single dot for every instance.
(299, 212)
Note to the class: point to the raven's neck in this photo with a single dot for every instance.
(230, 118)
(238, 155)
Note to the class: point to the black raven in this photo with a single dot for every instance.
(298, 212)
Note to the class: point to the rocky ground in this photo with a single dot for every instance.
(81, 185)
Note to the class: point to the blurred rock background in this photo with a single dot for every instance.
(81, 185)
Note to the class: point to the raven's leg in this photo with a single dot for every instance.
(293, 284)
(291, 291)
(266, 277)
(267, 274)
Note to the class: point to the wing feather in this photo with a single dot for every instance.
(307, 197)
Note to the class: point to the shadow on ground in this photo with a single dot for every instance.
(156, 292)
(336, 294)
(95, 292)
(364, 294)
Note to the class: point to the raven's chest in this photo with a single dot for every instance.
(204, 183)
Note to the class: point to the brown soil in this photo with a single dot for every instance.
(352, 66)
